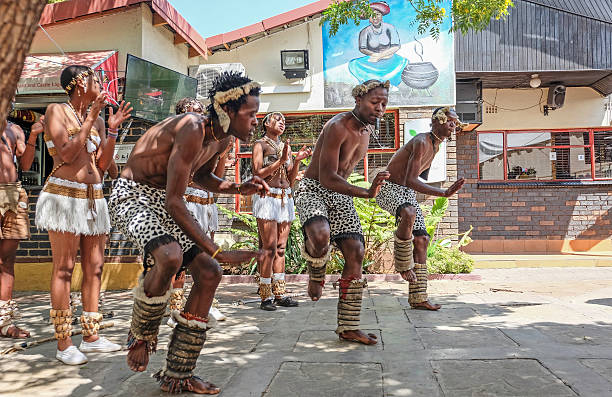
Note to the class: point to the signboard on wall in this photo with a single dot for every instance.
(437, 172)
(122, 152)
(421, 70)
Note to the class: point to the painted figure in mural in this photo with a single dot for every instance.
(15, 152)
(274, 162)
(398, 197)
(324, 201)
(147, 205)
(202, 205)
(379, 41)
(72, 208)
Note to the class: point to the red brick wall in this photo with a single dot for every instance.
(536, 213)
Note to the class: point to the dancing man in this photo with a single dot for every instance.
(324, 201)
(202, 205)
(14, 221)
(147, 205)
(272, 161)
(72, 208)
(398, 198)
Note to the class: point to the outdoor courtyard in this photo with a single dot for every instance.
(514, 332)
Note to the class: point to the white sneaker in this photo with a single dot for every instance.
(71, 356)
(102, 345)
(171, 322)
(217, 315)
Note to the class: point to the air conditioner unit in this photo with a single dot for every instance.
(556, 96)
(205, 74)
(469, 102)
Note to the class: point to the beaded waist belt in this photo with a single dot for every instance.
(90, 192)
(199, 200)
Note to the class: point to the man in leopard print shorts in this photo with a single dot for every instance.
(324, 201)
(147, 206)
(398, 198)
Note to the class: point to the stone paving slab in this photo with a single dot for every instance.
(326, 379)
(498, 378)
(514, 332)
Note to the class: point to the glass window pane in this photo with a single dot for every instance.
(522, 139)
(377, 162)
(535, 164)
(491, 156)
(246, 172)
(603, 154)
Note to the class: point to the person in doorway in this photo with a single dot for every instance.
(15, 153)
(398, 198)
(72, 208)
(272, 161)
(147, 205)
(324, 200)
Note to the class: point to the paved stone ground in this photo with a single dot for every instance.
(518, 332)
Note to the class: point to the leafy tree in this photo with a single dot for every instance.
(430, 14)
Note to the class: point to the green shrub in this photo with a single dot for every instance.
(450, 261)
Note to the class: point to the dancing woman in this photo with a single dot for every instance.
(71, 206)
(272, 161)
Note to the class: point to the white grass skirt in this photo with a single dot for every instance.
(207, 215)
(272, 208)
(61, 208)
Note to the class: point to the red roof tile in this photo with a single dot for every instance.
(72, 9)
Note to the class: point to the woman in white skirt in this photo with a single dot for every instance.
(273, 161)
(72, 208)
(202, 205)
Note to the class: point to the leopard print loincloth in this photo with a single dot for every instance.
(393, 197)
(313, 201)
(139, 212)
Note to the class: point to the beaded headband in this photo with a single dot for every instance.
(364, 88)
(265, 119)
(76, 78)
(442, 118)
(232, 94)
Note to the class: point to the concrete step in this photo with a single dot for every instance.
(575, 259)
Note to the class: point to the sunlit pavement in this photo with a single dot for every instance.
(517, 332)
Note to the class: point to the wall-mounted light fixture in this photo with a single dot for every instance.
(294, 63)
(535, 81)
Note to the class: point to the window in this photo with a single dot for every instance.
(304, 128)
(545, 155)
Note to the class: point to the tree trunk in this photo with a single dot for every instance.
(19, 21)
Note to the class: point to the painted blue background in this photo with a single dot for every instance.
(344, 46)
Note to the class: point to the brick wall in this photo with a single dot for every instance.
(537, 213)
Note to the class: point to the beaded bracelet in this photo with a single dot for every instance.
(112, 132)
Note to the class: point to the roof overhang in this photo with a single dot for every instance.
(599, 80)
(239, 37)
(163, 14)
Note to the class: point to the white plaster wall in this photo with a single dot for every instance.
(261, 59)
(119, 31)
(158, 45)
(583, 107)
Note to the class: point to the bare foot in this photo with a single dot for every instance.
(15, 332)
(315, 289)
(196, 385)
(425, 306)
(409, 275)
(138, 357)
(359, 337)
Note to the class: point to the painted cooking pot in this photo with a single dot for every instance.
(420, 75)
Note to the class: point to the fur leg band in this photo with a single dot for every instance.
(316, 266)
(279, 288)
(184, 349)
(417, 292)
(90, 323)
(146, 317)
(265, 291)
(402, 253)
(62, 322)
(349, 303)
(177, 299)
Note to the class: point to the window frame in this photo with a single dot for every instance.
(247, 155)
(591, 146)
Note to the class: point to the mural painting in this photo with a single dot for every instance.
(387, 47)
